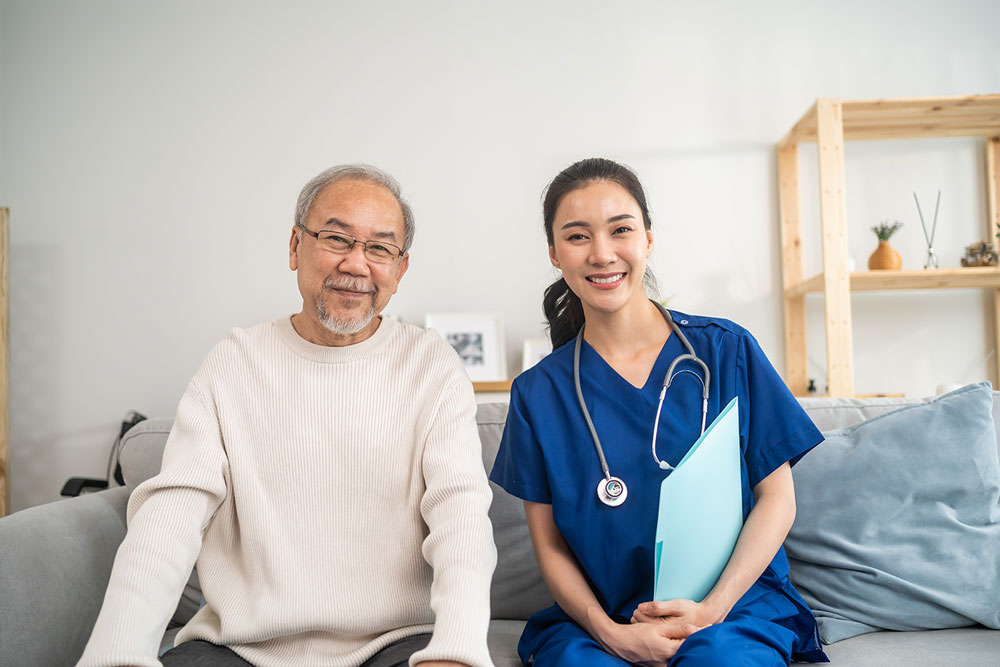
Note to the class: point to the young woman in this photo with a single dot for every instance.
(596, 557)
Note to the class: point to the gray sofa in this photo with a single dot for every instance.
(55, 561)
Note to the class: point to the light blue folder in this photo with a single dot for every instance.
(701, 513)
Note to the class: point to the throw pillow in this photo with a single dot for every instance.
(898, 522)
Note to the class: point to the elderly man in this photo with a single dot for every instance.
(324, 469)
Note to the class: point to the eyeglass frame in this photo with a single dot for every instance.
(354, 242)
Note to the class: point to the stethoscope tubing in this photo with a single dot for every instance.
(609, 480)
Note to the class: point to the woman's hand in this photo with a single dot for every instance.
(647, 644)
(677, 613)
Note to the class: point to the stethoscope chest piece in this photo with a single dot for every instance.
(612, 491)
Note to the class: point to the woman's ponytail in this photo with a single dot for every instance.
(563, 311)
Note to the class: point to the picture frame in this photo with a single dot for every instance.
(478, 339)
(533, 351)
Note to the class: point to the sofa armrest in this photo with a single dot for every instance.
(55, 562)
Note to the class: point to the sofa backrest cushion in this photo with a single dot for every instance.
(517, 590)
(832, 413)
(141, 450)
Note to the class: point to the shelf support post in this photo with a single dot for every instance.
(4, 363)
(833, 223)
(993, 220)
(796, 357)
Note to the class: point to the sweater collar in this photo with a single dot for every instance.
(330, 354)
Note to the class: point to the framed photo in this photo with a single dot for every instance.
(478, 339)
(535, 349)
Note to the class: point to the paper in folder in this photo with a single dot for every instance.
(701, 513)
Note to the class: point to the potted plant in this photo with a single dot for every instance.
(885, 256)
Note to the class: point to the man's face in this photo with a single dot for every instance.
(343, 293)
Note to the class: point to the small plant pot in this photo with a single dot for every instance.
(885, 258)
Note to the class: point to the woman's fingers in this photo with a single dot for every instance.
(666, 607)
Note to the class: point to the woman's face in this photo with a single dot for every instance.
(600, 244)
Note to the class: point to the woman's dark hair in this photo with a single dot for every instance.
(562, 307)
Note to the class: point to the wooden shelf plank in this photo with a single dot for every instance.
(969, 116)
(964, 278)
(926, 131)
(914, 279)
(947, 106)
(499, 385)
(807, 286)
(909, 131)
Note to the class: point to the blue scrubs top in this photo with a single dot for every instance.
(547, 456)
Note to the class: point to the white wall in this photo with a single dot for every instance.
(151, 153)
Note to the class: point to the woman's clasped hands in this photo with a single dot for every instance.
(657, 631)
(677, 612)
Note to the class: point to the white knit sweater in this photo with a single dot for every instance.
(334, 498)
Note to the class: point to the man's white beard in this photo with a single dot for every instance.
(344, 325)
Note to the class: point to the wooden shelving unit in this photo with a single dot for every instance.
(828, 123)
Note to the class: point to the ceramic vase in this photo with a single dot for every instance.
(885, 257)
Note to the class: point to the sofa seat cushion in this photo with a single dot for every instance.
(898, 523)
(502, 641)
(928, 648)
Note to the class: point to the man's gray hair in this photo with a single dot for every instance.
(354, 172)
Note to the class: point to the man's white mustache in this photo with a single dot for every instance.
(349, 285)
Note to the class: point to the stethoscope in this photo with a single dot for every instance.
(611, 490)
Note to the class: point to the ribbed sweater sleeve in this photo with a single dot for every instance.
(459, 545)
(166, 517)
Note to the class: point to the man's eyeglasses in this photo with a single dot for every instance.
(335, 241)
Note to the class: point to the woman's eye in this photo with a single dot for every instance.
(576, 237)
(622, 230)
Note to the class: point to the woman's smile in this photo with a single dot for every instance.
(606, 280)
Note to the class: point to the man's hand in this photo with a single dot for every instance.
(676, 612)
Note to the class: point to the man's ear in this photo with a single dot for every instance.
(404, 264)
(293, 250)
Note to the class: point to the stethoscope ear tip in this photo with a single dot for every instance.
(665, 466)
